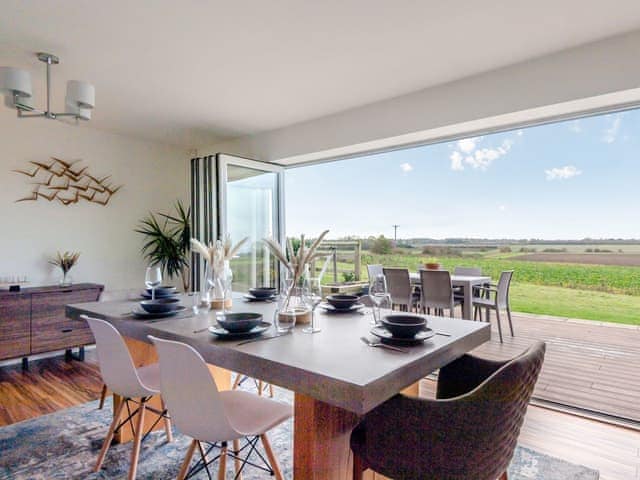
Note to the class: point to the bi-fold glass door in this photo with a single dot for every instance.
(250, 200)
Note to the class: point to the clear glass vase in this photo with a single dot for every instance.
(293, 305)
(66, 279)
(222, 287)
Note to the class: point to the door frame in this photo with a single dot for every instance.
(222, 162)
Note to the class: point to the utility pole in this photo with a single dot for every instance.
(395, 232)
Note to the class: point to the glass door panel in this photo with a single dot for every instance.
(251, 200)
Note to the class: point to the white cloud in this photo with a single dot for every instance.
(467, 145)
(520, 133)
(562, 173)
(611, 133)
(456, 161)
(502, 208)
(406, 167)
(482, 158)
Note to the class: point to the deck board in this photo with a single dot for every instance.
(590, 365)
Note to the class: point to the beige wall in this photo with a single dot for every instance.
(580, 79)
(153, 175)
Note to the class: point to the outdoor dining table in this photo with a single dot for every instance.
(467, 282)
(336, 378)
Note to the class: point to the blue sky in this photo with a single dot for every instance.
(567, 180)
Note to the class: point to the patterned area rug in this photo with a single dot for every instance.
(65, 445)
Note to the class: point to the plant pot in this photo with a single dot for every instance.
(432, 266)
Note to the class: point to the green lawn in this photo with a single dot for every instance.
(567, 302)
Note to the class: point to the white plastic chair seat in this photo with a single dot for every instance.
(250, 414)
(150, 379)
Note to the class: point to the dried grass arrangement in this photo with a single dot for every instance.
(295, 262)
(217, 253)
(65, 261)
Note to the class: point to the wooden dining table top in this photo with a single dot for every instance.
(333, 366)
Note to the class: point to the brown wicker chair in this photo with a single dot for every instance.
(469, 432)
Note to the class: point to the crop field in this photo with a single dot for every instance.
(603, 286)
(622, 259)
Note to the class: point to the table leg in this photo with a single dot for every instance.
(468, 299)
(142, 354)
(321, 434)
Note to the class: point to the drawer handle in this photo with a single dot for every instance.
(66, 330)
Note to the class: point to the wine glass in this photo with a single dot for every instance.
(153, 279)
(378, 293)
(314, 297)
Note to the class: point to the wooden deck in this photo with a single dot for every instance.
(590, 365)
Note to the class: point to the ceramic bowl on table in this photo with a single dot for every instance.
(404, 325)
(262, 292)
(238, 322)
(163, 291)
(341, 301)
(160, 305)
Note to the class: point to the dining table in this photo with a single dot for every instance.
(467, 282)
(336, 377)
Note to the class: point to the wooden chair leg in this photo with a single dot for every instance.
(499, 324)
(137, 439)
(236, 384)
(236, 461)
(260, 385)
(222, 469)
(103, 396)
(270, 390)
(167, 423)
(358, 468)
(187, 460)
(275, 466)
(109, 437)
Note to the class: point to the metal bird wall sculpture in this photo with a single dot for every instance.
(62, 181)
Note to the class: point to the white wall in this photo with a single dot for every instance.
(584, 78)
(153, 175)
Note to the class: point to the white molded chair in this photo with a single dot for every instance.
(500, 300)
(207, 415)
(123, 378)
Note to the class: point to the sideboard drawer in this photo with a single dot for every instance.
(60, 336)
(50, 329)
(15, 326)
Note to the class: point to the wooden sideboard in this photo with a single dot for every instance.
(33, 320)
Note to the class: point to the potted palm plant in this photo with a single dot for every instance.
(167, 241)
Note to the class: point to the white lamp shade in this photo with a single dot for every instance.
(14, 81)
(81, 113)
(80, 94)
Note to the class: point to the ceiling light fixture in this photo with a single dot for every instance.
(15, 84)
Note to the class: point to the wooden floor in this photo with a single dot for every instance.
(595, 366)
(590, 365)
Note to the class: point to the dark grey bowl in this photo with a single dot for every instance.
(239, 322)
(341, 301)
(163, 290)
(404, 325)
(160, 305)
(262, 292)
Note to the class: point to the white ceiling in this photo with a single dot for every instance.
(193, 72)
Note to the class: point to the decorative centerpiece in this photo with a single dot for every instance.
(218, 278)
(432, 264)
(293, 306)
(65, 262)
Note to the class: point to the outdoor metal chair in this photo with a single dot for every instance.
(497, 299)
(437, 292)
(399, 286)
(469, 431)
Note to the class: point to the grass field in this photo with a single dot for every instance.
(608, 293)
